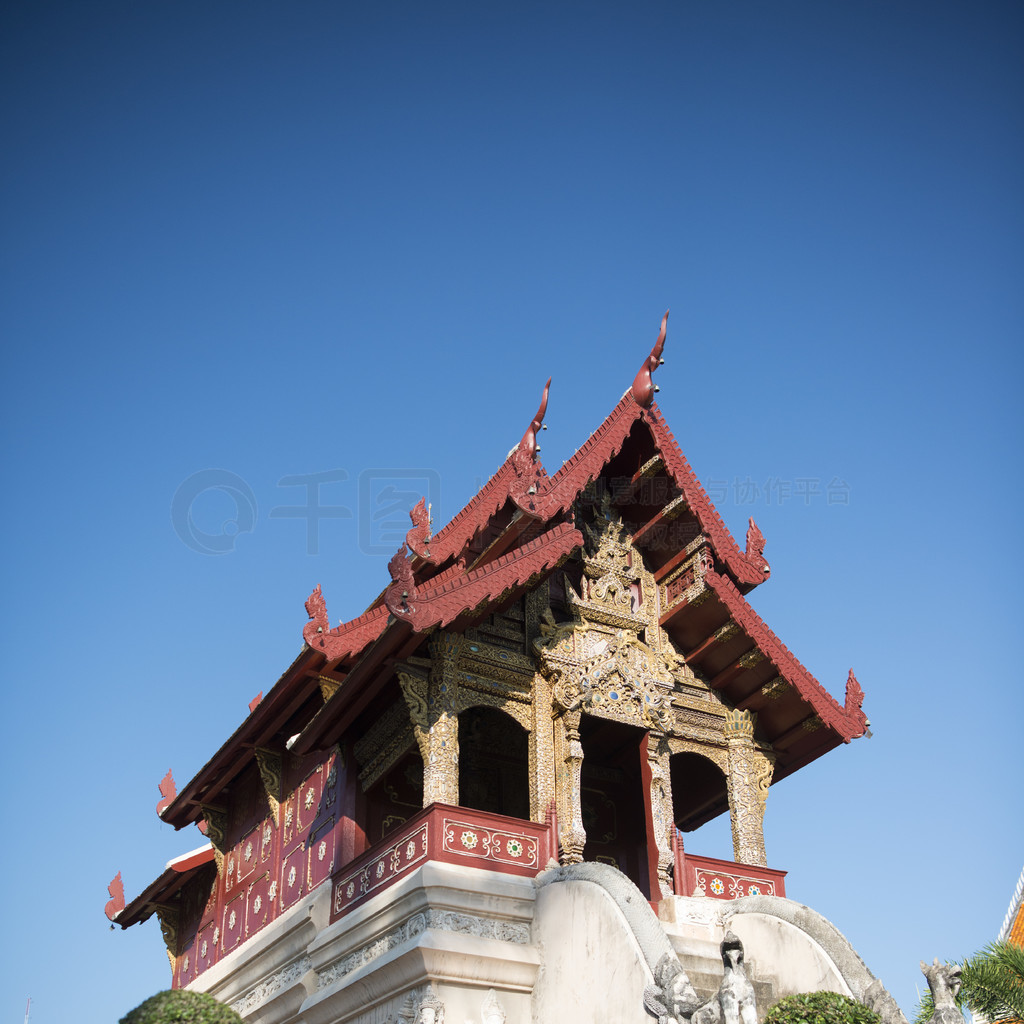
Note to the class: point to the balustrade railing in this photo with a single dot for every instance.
(454, 835)
(461, 835)
(722, 879)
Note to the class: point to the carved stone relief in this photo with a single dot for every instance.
(492, 1012)
(272, 985)
(423, 1008)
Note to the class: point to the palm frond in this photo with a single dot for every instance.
(992, 983)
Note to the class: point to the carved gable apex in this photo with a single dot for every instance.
(610, 545)
(608, 592)
(599, 662)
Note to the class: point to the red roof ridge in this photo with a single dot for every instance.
(521, 463)
(347, 637)
(472, 517)
(440, 604)
(750, 566)
(522, 476)
(583, 466)
(848, 720)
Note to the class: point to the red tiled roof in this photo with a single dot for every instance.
(848, 721)
(440, 603)
(747, 567)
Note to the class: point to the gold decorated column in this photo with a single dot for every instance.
(661, 806)
(541, 738)
(750, 774)
(435, 723)
(572, 836)
(542, 750)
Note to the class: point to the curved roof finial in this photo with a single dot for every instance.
(168, 791)
(643, 388)
(116, 892)
(529, 442)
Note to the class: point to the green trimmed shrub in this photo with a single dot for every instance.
(179, 1006)
(820, 1008)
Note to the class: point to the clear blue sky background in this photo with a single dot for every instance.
(281, 239)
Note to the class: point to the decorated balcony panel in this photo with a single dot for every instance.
(454, 835)
(725, 879)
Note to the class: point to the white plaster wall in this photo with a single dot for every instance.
(592, 970)
(779, 952)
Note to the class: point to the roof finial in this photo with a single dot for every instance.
(418, 538)
(529, 441)
(400, 596)
(316, 609)
(116, 892)
(168, 791)
(643, 388)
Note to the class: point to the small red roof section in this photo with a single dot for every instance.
(174, 877)
(847, 720)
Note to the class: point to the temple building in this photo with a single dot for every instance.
(437, 800)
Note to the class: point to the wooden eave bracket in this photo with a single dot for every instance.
(271, 766)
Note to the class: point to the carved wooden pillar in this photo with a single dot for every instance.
(572, 836)
(435, 722)
(750, 774)
(441, 761)
(541, 750)
(541, 739)
(659, 811)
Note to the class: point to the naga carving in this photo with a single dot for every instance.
(529, 473)
(418, 538)
(168, 791)
(944, 982)
(854, 697)
(316, 609)
(115, 890)
(643, 388)
(755, 544)
(400, 596)
(672, 1000)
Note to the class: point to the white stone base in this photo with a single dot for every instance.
(568, 949)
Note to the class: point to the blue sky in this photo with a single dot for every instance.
(280, 240)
